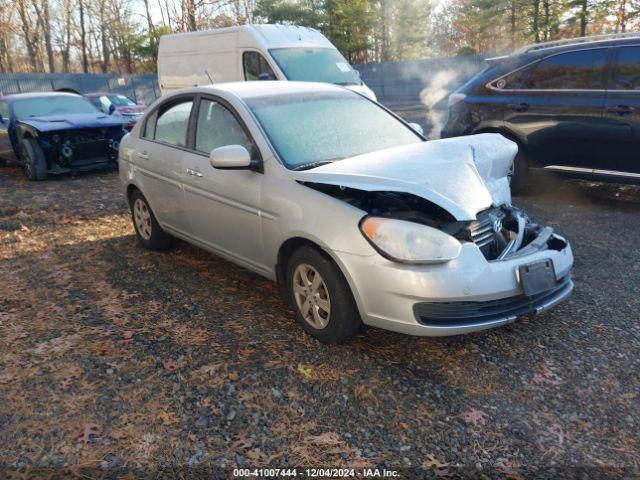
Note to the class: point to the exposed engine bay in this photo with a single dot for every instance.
(80, 147)
(499, 232)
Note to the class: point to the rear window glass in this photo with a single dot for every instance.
(627, 73)
(579, 70)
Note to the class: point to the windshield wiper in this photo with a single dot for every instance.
(307, 166)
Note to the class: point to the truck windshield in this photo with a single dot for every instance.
(52, 105)
(309, 129)
(315, 65)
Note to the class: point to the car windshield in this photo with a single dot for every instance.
(119, 100)
(315, 65)
(308, 130)
(51, 105)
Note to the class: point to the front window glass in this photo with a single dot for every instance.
(52, 105)
(256, 65)
(579, 70)
(310, 129)
(217, 127)
(315, 65)
(172, 124)
(627, 76)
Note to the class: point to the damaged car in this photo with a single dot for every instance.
(348, 208)
(55, 132)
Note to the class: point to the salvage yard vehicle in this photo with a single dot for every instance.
(110, 103)
(57, 132)
(253, 52)
(356, 216)
(573, 107)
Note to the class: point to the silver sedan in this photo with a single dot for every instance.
(347, 207)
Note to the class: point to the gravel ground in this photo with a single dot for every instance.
(117, 361)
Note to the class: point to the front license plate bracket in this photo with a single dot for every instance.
(537, 277)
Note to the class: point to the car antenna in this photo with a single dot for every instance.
(207, 72)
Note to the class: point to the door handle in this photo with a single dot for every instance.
(193, 172)
(142, 155)
(518, 107)
(621, 109)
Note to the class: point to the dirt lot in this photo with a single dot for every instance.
(114, 359)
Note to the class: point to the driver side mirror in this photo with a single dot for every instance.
(230, 157)
(112, 108)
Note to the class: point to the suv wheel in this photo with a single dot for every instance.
(148, 230)
(321, 297)
(35, 165)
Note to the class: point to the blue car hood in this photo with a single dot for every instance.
(70, 121)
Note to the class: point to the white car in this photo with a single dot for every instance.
(349, 209)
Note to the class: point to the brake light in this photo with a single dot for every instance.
(456, 98)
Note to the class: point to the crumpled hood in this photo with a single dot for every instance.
(50, 123)
(463, 175)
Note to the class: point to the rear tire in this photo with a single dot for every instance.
(33, 160)
(148, 231)
(321, 297)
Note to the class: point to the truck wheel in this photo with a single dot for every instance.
(321, 297)
(148, 230)
(35, 165)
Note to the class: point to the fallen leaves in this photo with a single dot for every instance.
(305, 370)
(547, 376)
(169, 365)
(241, 441)
(56, 346)
(167, 418)
(88, 432)
(475, 417)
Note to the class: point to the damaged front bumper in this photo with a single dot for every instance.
(480, 289)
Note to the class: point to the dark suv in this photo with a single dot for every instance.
(573, 107)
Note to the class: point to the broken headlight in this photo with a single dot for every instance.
(409, 242)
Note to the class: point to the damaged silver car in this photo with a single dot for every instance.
(347, 207)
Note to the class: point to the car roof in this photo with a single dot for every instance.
(261, 88)
(18, 96)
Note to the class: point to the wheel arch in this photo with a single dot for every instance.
(505, 132)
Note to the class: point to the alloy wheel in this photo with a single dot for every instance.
(142, 217)
(312, 296)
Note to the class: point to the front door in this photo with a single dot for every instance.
(622, 109)
(558, 109)
(223, 205)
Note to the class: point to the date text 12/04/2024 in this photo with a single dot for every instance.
(314, 473)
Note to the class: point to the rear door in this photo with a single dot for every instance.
(159, 161)
(559, 107)
(622, 109)
(6, 150)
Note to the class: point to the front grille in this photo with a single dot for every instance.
(462, 313)
(484, 234)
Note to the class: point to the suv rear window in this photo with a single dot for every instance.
(579, 70)
(627, 73)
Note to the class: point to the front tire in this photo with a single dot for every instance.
(148, 231)
(520, 177)
(321, 297)
(33, 160)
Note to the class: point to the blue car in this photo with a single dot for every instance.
(56, 132)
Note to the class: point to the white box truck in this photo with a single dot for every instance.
(253, 52)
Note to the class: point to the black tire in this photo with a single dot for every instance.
(343, 320)
(520, 177)
(33, 160)
(154, 237)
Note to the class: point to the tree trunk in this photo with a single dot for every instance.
(547, 18)
(583, 17)
(29, 37)
(47, 35)
(83, 38)
(191, 16)
(513, 24)
(104, 39)
(536, 20)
